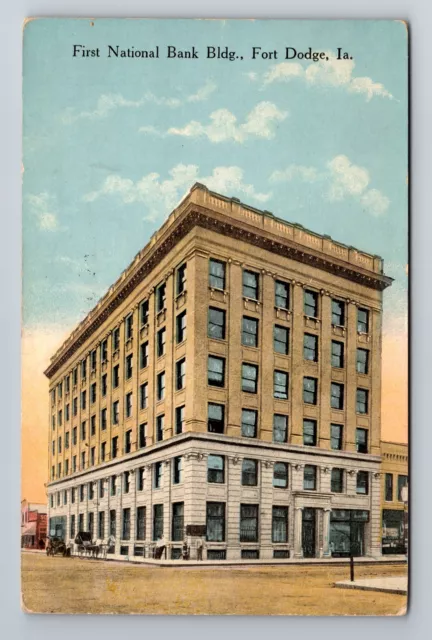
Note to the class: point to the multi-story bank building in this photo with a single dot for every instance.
(229, 380)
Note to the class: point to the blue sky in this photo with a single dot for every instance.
(111, 145)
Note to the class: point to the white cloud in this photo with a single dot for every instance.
(161, 196)
(42, 206)
(327, 73)
(261, 122)
(107, 103)
(340, 179)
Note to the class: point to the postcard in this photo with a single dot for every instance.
(215, 317)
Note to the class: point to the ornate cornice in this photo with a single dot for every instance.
(199, 216)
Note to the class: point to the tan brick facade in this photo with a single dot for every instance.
(394, 472)
(254, 248)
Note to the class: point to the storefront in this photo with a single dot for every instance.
(393, 531)
(347, 532)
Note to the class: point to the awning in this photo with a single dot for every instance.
(29, 529)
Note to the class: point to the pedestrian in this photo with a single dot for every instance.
(161, 547)
(200, 548)
(185, 551)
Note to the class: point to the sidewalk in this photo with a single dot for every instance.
(393, 584)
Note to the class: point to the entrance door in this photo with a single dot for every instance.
(309, 532)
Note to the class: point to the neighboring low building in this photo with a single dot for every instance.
(33, 525)
(394, 501)
(230, 380)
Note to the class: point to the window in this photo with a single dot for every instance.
(103, 419)
(90, 491)
(362, 321)
(310, 433)
(249, 332)
(249, 476)
(126, 482)
(140, 523)
(160, 423)
(309, 477)
(93, 359)
(181, 279)
(104, 385)
(249, 378)
(66, 467)
(93, 425)
(53, 448)
(337, 354)
(336, 483)
(310, 390)
(75, 406)
(116, 339)
(142, 435)
(104, 350)
(281, 295)
(216, 323)
(144, 355)
(280, 475)
(53, 422)
(114, 447)
(336, 433)
(143, 395)
(103, 451)
(83, 399)
(338, 313)
(112, 522)
(249, 423)
(337, 395)
(126, 524)
(140, 479)
(178, 470)
(362, 440)
(101, 525)
(115, 412)
(59, 444)
(158, 521)
(279, 524)
(74, 435)
(67, 440)
(250, 285)
(248, 523)
(60, 390)
(67, 384)
(280, 339)
(180, 374)
(280, 428)
(75, 377)
(363, 482)
(83, 369)
(280, 385)
(73, 493)
(72, 526)
(179, 419)
(363, 361)
(216, 415)
(81, 493)
(128, 441)
(160, 298)
(362, 403)
(402, 482)
(93, 393)
(129, 327)
(113, 485)
(59, 470)
(81, 522)
(83, 430)
(181, 327)
(310, 304)
(217, 274)
(310, 347)
(60, 418)
(160, 385)
(128, 367)
(144, 312)
(83, 456)
(116, 376)
(158, 471)
(216, 469)
(388, 487)
(53, 396)
(74, 464)
(161, 337)
(67, 412)
(216, 371)
(215, 521)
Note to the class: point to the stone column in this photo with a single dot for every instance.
(375, 529)
(266, 503)
(296, 382)
(132, 489)
(233, 334)
(326, 533)
(298, 530)
(267, 358)
(351, 377)
(118, 501)
(233, 473)
(324, 365)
